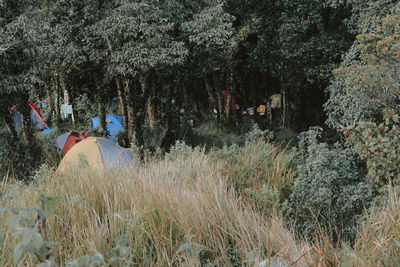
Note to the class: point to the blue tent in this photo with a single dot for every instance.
(36, 118)
(113, 125)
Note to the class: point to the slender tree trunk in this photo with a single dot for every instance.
(230, 87)
(150, 111)
(140, 112)
(10, 127)
(130, 112)
(284, 108)
(220, 106)
(57, 99)
(269, 114)
(228, 105)
(102, 115)
(174, 101)
(26, 122)
(136, 112)
(50, 102)
(124, 108)
(23, 126)
(151, 91)
(211, 99)
(64, 89)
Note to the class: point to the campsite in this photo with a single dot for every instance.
(199, 133)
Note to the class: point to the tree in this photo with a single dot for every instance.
(210, 38)
(298, 45)
(367, 82)
(366, 89)
(140, 42)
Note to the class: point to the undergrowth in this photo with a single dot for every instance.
(188, 208)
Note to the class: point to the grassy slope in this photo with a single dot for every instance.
(177, 211)
(184, 211)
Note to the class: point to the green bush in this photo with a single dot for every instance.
(210, 134)
(17, 158)
(379, 145)
(258, 170)
(331, 190)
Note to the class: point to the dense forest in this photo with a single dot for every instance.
(309, 86)
(157, 58)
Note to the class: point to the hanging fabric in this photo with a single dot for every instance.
(276, 101)
(66, 110)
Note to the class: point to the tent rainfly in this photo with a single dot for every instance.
(99, 153)
(36, 117)
(113, 125)
(67, 140)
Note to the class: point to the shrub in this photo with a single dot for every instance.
(379, 145)
(330, 190)
(211, 134)
(258, 170)
(17, 158)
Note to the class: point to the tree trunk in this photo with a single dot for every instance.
(174, 101)
(230, 88)
(140, 112)
(124, 109)
(50, 103)
(284, 108)
(102, 115)
(150, 112)
(220, 107)
(10, 127)
(150, 94)
(64, 89)
(228, 105)
(211, 99)
(26, 122)
(130, 112)
(269, 114)
(57, 99)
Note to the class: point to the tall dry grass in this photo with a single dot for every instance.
(377, 242)
(182, 212)
(176, 212)
(256, 164)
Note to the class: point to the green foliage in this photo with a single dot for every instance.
(18, 159)
(287, 137)
(209, 34)
(379, 145)
(330, 191)
(139, 38)
(179, 150)
(266, 200)
(256, 134)
(85, 110)
(362, 87)
(24, 228)
(258, 169)
(210, 134)
(298, 43)
(90, 260)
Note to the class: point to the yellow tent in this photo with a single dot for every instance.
(98, 153)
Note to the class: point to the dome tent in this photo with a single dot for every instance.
(113, 125)
(36, 117)
(98, 152)
(67, 140)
